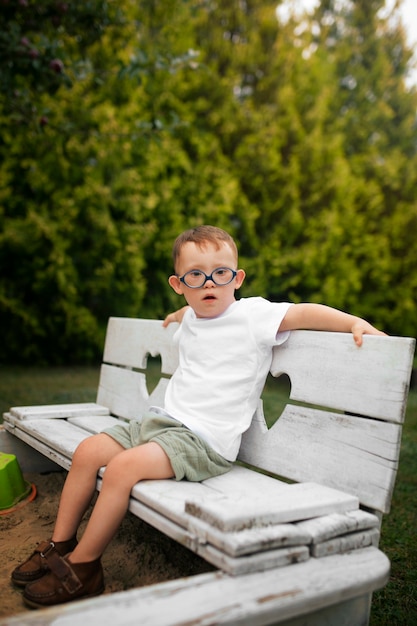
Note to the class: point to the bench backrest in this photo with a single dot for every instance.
(347, 431)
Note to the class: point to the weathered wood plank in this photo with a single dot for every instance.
(216, 556)
(45, 449)
(347, 543)
(257, 539)
(299, 501)
(129, 341)
(125, 393)
(323, 528)
(95, 424)
(169, 496)
(272, 597)
(250, 540)
(58, 411)
(30, 460)
(59, 435)
(367, 381)
(244, 564)
(358, 456)
(256, 562)
(242, 478)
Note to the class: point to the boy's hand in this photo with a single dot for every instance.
(176, 316)
(361, 328)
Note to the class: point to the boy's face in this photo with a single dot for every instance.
(210, 300)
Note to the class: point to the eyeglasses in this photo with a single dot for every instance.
(195, 279)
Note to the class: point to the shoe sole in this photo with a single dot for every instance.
(37, 605)
(23, 583)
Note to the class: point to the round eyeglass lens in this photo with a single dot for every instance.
(222, 276)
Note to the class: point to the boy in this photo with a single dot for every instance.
(225, 349)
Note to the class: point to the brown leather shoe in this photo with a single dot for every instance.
(36, 565)
(65, 582)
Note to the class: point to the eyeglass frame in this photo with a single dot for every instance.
(208, 277)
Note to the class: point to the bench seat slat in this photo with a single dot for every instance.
(300, 501)
(250, 540)
(218, 548)
(327, 527)
(170, 496)
(244, 564)
(269, 558)
(274, 596)
(256, 562)
(59, 434)
(49, 411)
(347, 543)
(45, 449)
(309, 532)
(94, 424)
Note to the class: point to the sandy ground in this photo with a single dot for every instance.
(139, 555)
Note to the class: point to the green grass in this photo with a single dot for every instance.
(20, 386)
(396, 604)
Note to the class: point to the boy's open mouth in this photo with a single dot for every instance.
(209, 297)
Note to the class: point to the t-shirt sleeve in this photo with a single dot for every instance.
(281, 337)
(189, 313)
(267, 317)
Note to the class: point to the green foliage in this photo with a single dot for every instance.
(44, 46)
(297, 137)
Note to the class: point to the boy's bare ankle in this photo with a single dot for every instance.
(56, 538)
(80, 556)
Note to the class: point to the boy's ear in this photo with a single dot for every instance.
(240, 277)
(176, 284)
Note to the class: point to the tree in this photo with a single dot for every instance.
(73, 242)
(43, 46)
(376, 112)
(96, 196)
(169, 115)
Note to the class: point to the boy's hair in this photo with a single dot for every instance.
(202, 235)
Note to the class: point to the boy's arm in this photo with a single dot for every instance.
(308, 316)
(176, 316)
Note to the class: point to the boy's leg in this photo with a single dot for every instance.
(80, 574)
(123, 471)
(93, 453)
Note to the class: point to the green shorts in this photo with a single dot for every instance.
(190, 456)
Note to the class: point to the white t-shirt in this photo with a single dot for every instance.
(223, 365)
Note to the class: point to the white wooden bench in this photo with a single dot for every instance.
(299, 549)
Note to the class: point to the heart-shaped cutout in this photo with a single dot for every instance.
(275, 397)
(153, 372)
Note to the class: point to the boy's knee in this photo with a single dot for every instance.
(119, 472)
(85, 451)
(117, 464)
